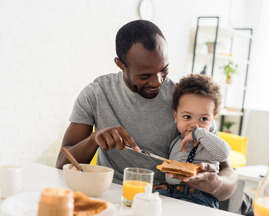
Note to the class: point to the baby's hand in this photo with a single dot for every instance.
(187, 139)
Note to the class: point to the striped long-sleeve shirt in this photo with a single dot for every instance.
(212, 149)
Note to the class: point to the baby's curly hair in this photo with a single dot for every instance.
(197, 84)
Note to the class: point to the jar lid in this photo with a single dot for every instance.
(56, 196)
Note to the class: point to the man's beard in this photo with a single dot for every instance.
(135, 89)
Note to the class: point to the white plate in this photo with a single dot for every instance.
(21, 204)
(26, 204)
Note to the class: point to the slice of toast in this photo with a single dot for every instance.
(186, 169)
(85, 206)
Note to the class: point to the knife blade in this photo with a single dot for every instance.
(147, 154)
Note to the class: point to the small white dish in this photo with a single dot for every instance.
(147, 203)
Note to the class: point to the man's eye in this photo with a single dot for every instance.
(144, 77)
(203, 119)
(186, 117)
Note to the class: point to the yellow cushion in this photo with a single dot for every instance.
(237, 159)
(94, 159)
(239, 148)
(237, 143)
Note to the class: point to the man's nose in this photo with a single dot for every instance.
(157, 80)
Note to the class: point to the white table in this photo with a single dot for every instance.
(37, 177)
(252, 175)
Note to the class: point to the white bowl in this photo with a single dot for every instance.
(92, 182)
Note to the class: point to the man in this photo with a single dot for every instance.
(133, 107)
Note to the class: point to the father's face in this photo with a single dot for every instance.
(146, 69)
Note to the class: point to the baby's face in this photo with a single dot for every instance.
(194, 111)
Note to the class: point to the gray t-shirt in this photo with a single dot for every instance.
(109, 102)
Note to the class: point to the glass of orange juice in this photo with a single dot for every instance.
(135, 181)
(261, 200)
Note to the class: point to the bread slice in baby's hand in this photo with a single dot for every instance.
(178, 168)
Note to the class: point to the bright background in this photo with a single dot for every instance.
(51, 49)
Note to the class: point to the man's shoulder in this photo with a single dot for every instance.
(169, 81)
(104, 85)
(168, 84)
(167, 88)
(111, 77)
(103, 82)
(99, 83)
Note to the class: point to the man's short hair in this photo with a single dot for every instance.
(138, 31)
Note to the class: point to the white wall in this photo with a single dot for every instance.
(259, 77)
(257, 130)
(50, 49)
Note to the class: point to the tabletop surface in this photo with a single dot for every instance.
(254, 173)
(37, 176)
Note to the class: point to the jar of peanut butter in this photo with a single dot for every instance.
(56, 202)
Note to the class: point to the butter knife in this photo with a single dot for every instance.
(147, 154)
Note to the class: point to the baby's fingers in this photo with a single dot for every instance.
(183, 145)
(195, 143)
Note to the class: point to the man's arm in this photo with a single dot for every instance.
(228, 181)
(77, 140)
(83, 144)
(221, 185)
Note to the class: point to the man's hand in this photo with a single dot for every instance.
(114, 137)
(83, 144)
(221, 185)
(206, 180)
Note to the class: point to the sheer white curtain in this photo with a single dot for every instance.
(258, 80)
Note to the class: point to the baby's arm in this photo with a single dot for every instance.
(216, 146)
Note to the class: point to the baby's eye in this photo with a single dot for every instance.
(186, 117)
(203, 119)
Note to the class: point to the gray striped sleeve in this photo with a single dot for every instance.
(217, 147)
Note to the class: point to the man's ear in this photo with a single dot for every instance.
(119, 63)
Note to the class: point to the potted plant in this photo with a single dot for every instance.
(229, 69)
(210, 46)
(228, 125)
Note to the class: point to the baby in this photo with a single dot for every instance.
(196, 102)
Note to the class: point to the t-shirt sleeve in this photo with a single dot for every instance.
(83, 109)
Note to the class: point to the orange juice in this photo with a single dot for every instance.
(261, 206)
(131, 188)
